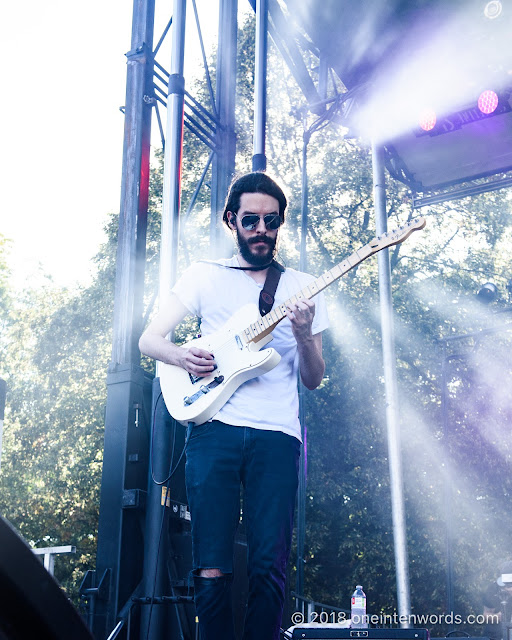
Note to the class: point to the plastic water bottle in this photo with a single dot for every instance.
(358, 609)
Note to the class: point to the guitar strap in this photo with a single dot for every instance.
(268, 292)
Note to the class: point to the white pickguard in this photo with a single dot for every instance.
(237, 361)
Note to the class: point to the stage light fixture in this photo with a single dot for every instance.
(428, 119)
(488, 101)
(493, 9)
(488, 293)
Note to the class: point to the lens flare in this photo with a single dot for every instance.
(488, 101)
(493, 9)
(428, 119)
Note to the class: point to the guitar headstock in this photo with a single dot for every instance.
(396, 236)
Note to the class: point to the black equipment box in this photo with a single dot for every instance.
(335, 633)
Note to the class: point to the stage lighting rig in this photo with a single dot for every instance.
(488, 104)
(428, 120)
(488, 293)
(448, 148)
(488, 101)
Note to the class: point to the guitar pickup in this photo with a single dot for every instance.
(194, 379)
(205, 388)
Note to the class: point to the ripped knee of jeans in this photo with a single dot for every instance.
(209, 573)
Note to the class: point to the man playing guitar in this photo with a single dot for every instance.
(254, 438)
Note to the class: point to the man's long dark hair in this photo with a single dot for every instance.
(255, 182)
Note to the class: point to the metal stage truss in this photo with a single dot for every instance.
(130, 524)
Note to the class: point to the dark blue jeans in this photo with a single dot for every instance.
(221, 458)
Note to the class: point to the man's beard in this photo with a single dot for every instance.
(256, 259)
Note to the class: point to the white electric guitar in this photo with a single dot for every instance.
(237, 345)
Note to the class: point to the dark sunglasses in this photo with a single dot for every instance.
(251, 221)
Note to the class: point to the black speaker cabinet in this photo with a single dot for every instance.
(336, 633)
(32, 605)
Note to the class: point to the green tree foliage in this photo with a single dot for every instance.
(56, 348)
(4, 277)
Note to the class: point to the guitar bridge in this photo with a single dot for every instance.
(203, 389)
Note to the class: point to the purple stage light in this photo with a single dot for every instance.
(428, 120)
(488, 101)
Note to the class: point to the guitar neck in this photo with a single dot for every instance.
(266, 324)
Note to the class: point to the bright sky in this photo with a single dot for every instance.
(63, 77)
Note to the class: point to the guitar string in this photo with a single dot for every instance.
(331, 278)
(259, 330)
(301, 294)
(328, 278)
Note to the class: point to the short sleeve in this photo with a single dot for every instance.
(188, 288)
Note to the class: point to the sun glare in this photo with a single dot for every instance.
(440, 75)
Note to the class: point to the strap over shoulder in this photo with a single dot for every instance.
(266, 301)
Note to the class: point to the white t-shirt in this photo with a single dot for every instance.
(213, 293)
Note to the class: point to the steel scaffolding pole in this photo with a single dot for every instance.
(154, 621)
(131, 247)
(259, 160)
(119, 555)
(223, 165)
(301, 491)
(172, 153)
(391, 389)
(450, 604)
